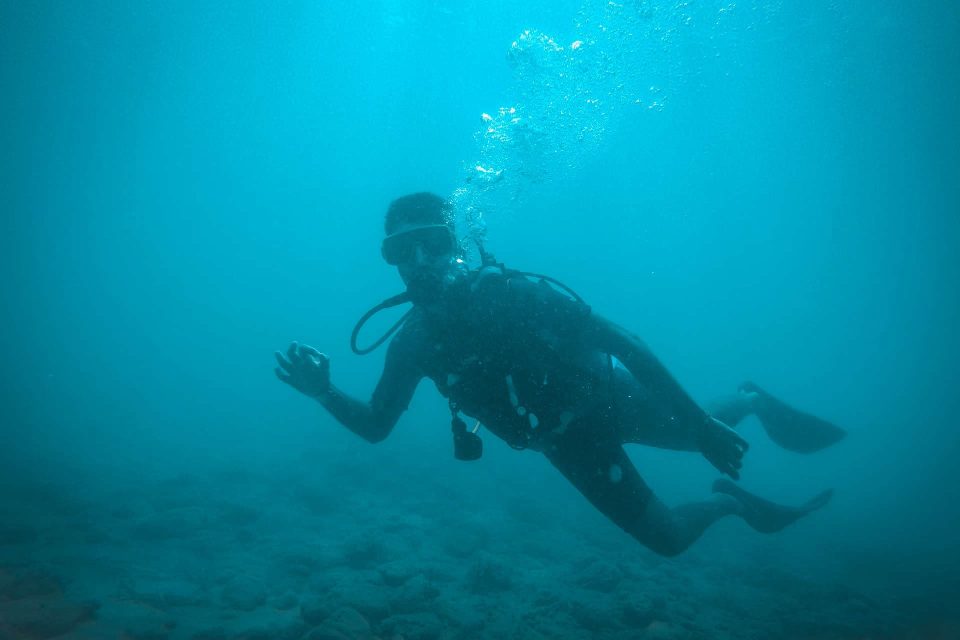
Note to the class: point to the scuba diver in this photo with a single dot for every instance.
(524, 356)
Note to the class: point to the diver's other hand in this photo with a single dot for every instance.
(722, 447)
(305, 369)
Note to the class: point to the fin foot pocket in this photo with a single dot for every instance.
(766, 516)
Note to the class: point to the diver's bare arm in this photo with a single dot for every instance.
(373, 421)
(646, 368)
(308, 371)
(356, 415)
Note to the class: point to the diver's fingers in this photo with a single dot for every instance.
(310, 351)
(733, 466)
(730, 469)
(286, 366)
(731, 452)
(720, 463)
(284, 377)
(735, 448)
(292, 353)
(311, 355)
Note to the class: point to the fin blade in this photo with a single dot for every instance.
(791, 428)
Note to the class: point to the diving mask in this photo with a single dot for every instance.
(435, 240)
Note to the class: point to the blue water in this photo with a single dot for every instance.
(761, 190)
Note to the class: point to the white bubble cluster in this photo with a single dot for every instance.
(569, 96)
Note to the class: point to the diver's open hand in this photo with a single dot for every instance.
(305, 369)
(723, 447)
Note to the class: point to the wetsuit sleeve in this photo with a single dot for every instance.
(648, 370)
(373, 421)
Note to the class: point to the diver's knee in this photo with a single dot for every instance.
(669, 546)
(661, 532)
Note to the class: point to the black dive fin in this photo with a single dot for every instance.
(766, 516)
(792, 429)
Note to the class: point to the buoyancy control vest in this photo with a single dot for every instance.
(467, 445)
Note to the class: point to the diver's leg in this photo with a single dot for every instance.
(642, 424)
(600, 469)
(643, 420)
(732, 409)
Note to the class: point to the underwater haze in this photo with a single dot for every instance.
(762, 191)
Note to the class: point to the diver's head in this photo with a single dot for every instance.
(421, 243)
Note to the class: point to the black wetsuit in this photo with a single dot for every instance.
(504, 350)
(517, 355)
(542, 371)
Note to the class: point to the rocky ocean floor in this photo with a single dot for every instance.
(290, 554)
